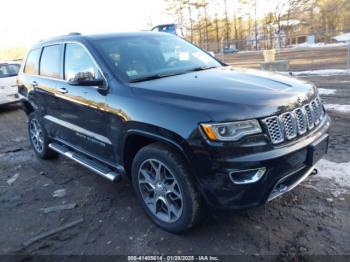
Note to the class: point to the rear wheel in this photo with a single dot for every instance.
(165, 188)
(38, 137)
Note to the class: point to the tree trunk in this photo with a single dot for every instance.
(206, 26)
(255, 27)
(191, 21)
(227, 24)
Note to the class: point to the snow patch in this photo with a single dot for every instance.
(324, 91)
(323, 72)
(337, 108)
(318, 45)
(338, 172)
(342, 38)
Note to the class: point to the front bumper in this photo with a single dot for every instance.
(286, 165)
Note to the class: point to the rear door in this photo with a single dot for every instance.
(81, 110)
(30, 83)
(50, 74)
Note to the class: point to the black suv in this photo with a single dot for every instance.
(189, 131)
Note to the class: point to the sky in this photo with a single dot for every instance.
(24, 22)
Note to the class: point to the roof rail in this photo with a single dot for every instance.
(54, 37)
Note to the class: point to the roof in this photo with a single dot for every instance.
(79, 37)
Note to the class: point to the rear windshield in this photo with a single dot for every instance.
(8, 70)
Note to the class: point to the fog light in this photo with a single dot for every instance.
(247, 176)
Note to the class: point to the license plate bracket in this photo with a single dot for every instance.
(317, 150)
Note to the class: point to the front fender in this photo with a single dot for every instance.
(156, 134)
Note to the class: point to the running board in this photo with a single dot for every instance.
(95, 166)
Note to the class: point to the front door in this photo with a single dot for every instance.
(81, 110)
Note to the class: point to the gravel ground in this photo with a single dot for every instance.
(312, 219)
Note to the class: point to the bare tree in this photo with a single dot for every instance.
(255, 25)
(204, 4)
(189, 9)
(176, 8)
(217, 32)
(330, 13)
(320, 17)
(227, 24)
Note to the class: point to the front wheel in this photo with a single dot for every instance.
(165, 188)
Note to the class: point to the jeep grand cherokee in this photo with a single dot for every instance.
(189, 131)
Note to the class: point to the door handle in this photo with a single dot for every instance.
(62, 90)
(35, 84)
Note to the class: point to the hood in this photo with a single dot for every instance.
(227, 94)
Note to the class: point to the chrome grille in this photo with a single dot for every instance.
(289, 124)
(301, 121)
(315, 111)
(297, 122)
(320, 107)
(275, 129)
(317, 107)
(309, 116)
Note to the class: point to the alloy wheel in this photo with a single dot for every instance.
(36, 135)
(160, 190)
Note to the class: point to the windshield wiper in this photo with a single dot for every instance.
(200, 68)
(158, 76)
(152, 77)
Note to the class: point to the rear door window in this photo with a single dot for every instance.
(32, 64)
(50, 61)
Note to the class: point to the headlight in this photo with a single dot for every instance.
(231, 131)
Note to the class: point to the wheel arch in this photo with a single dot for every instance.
(137, 139)
(28, 107)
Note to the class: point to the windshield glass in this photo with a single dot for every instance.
(8, 70)
(139, 57)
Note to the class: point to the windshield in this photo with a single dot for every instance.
(138, 57)
(8, 70)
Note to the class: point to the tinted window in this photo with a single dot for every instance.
(32, 63)
(167, 28)
(8, 70)
(79, 63)
(50, 61)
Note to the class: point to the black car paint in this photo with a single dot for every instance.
(170, 110)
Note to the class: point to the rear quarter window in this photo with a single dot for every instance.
(32, 63)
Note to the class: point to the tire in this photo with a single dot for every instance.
(38, 137)
(176, 190)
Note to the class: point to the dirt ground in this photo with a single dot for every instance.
(312, 219)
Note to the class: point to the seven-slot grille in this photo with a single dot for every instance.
(297, 122)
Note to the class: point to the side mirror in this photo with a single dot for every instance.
(85, 79)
